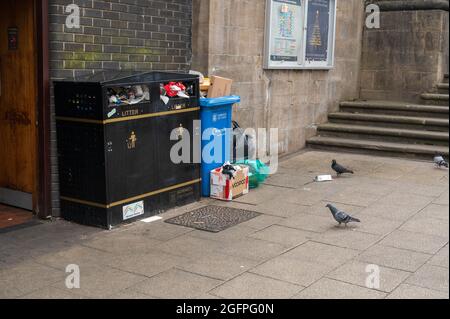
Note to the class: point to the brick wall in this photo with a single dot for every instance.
(136, 35)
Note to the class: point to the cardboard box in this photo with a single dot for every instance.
(205, 85)
(226, 189)
(219, 87)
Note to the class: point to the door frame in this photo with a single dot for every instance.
(44, 201)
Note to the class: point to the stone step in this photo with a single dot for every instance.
(395, 108)
(392, 121)
(377, 147)
(435, 99)
(443, 86)
(384, 134)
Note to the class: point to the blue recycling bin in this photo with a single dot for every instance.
(216, 117)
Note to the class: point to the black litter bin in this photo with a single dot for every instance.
(113, 132)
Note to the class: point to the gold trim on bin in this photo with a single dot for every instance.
(124, 119)
(132, 199)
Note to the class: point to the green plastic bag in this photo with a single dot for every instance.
(258, 172)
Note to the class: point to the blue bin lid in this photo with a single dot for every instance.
(220, 101)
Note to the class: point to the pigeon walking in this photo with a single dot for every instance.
(339, 169)
(440, 161)
(341, 217)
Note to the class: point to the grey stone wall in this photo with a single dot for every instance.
(229, 41)
(407, 56)
(136, 35)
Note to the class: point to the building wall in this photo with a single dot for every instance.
(406, 57)
(293, 101)
(136, 35)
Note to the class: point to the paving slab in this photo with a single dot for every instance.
(231, 234)
(176, 284)
(425, 176)
(419, 189)
(27, 277)
(376, 225)
(431, 277)
(428, 226)
(252, 286)
(124, 243)
(308, 222)
(354, 197)
(356, 273)
(406, 291)
(255, 249)
(219, 266)
(278, 206)
(392, 211)
(401, 198)
(130, 294)
(289, 237)
(395, 258)
(287, 180)
(101, 281)
(327, 288)
(320, 209)
(441, 259)
(292, 270)
(323, 254)
(78, 254)
(52, 293)
(265, 193)
(443, 199)
(423, 243)
(263, 221)
(148, 264)
(348, 237)
(302, 197)
(191, 247)
(436, 211)
(160, 231)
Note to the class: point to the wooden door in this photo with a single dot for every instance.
(18, 103)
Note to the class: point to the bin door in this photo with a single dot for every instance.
(171, 172)
(131, 159)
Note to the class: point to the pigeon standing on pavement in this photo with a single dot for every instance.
(339, 169)
(341, 217)
(440, 161)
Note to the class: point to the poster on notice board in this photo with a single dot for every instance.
(287, 28)
(318, 27)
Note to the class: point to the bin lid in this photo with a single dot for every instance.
(220, 101)
(119, 78)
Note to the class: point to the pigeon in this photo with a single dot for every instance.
(341, 217)
(339, 169)
(440, 161)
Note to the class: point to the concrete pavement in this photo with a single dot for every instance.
(293, 250)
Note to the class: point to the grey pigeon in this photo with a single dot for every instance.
(440, 161)
(339, 169)
(341, 217)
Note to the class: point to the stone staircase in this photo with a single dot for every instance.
(389, 128)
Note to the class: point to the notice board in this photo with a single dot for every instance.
(300, 34)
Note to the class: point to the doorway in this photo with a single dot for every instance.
(19, 100)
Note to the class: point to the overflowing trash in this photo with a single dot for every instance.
(258, 172)
(323, 178)
(244, 145)
(128, 95)
(131, 95)
(229, 182)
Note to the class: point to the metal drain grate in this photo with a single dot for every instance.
(213, 219)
